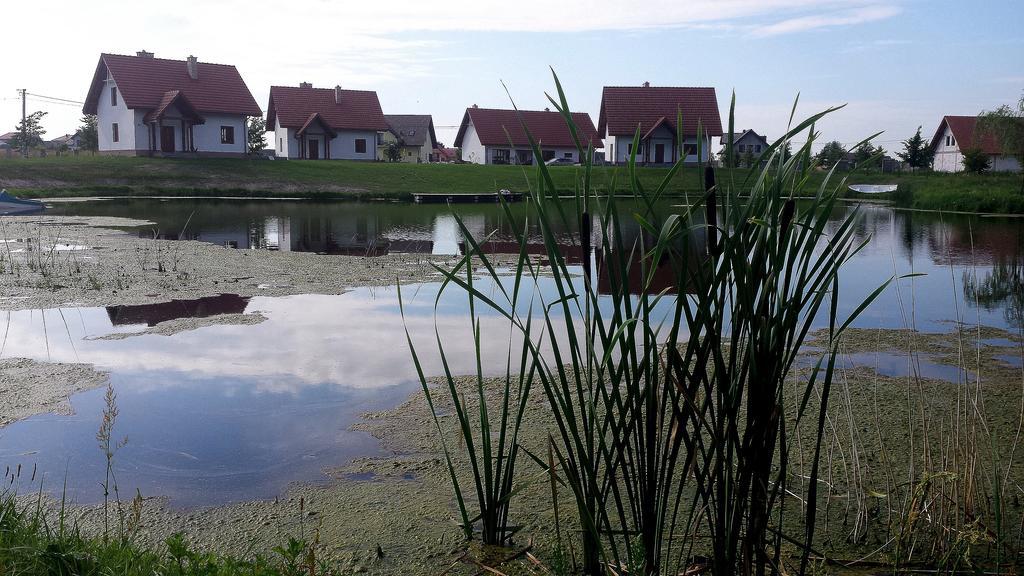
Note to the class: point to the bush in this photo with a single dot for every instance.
(975, 161)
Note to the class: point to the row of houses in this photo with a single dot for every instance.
(70, 142)
(155, 106)
(160, 107)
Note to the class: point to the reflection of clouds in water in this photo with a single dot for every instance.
(354, 340)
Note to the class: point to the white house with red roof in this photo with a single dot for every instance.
(493, 136)
(958, 133)
(324, 123)
(147, 106)
(655, 111)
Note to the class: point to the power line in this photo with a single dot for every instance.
(69, 101)
(55, 103)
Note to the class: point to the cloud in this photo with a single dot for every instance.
(809, 22)
(400, 16)
(875, 45)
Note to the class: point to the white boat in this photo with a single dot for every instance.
(11, 205)
(873, 188)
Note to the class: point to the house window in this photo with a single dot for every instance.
(743, 148)
(113, 95)
(689, 149)
(114, 135)
(952, 141)
(567, 155)
(360, 145)
(524, 157)
(757, 148)
(547, 155)
(227, 134)
(501, 156)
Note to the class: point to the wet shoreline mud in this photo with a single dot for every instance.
(56, 261)
(29, 387)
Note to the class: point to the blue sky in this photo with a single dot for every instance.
(896, 63)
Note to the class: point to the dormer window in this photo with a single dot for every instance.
(113, 95)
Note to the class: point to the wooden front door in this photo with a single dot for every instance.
(167, 139)
(314, 149)
(659, 153)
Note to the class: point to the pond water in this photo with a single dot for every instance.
(232, 412)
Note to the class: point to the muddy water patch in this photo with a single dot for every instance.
(218, 408)
(896, 365)
(30, 387)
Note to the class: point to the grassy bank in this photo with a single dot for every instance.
(92, 175)
(89, 175)
(31, 542)
(985, 193)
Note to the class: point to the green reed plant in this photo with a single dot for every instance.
(668, 401)
(490, 434)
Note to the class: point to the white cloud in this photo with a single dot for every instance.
(861, 15)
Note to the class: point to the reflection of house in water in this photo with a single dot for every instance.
(608, 261)
(355, 234)
(153, 314)
(275, 233)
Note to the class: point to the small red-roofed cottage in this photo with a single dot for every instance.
(490, 136)
(958, 133)
(148, 106)
(324, 123)
(655, 111)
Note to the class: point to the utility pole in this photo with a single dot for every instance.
(24, 126)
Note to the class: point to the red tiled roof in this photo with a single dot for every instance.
(175, 98)
(963, 130)
(623, 108)
(144, 81)
(293, 106)
(547, 128)
(315, 117)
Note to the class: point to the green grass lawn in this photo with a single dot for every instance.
(91, 175)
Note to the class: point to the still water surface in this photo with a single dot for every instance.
(233, 412)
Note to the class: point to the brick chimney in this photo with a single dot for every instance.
(337, 94)
(305, 85)
(144, 54)
(193, 67)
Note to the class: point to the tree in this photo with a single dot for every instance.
(256, 132)
(725, 157)
(916, 152)
(1006, 125)
(29, 132)
(787, 151)
(832, 153)
(393, 151)
(867, 156)
(975, 161)
(748, 159)
(88, 134)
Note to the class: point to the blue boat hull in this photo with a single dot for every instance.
(11, 205)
